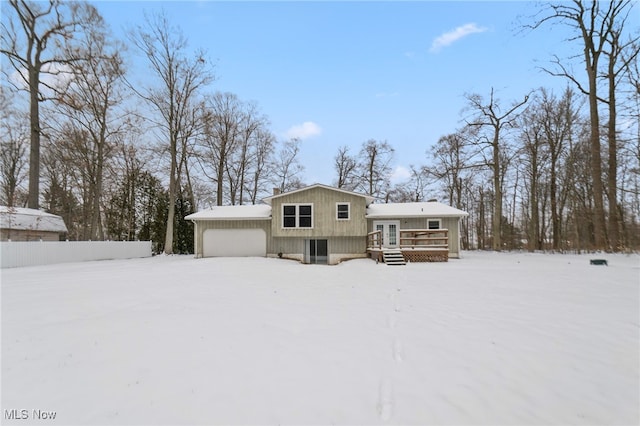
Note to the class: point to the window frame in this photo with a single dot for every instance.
(434, 220)
(343, 203)
(286, 216)
(297, 215)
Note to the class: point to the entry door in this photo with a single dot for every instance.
(316, 252)
(389, 230)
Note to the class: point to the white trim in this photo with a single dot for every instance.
(348, 204)
(369, 199)
(297, 206)
(385, 232)
(238, 212)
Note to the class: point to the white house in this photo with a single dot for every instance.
(322, 224)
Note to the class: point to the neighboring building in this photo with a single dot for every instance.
(321, 224)
(19, 224)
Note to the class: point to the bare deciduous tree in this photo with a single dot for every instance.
(598, 28)
(534, 161)
(287, 167)
(32, 41)
(14, 136)
(375, 167)
(489, 115)
(560, 122)
(223, 115)
(452, 158)
(261, 165)
(235, 148)
(180, 77)
(346, 167)
(411, 190)
(620, 56)
(88, 104)
(250, 129)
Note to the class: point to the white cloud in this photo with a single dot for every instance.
(53, 75)
(452, 36)
(303, 131)
(400, 173)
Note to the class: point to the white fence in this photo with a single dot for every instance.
(18, 253)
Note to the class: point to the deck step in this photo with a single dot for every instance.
(393, 257)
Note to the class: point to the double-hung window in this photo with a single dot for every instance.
(342, 211)
(289, 216)
(297, 216)
(305, 217)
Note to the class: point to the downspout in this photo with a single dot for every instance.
(195, 239)
(459, 238)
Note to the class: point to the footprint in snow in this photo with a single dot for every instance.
(397, 350)
(385, 400)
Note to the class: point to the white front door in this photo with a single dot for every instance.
(389, 230)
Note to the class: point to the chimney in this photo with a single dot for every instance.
(276, 191)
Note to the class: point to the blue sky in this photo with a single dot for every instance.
(340, 73)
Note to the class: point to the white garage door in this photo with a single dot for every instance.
(234, 242)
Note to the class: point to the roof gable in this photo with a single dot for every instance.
(369, 199)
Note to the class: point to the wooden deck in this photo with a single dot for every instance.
(417, 245)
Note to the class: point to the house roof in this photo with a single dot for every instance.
(368, 198)
(243, 212)
(425, 209)
(17, 218)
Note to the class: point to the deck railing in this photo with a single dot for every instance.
(417, 245)
(424, 238)
(374, 240)
(413, 239)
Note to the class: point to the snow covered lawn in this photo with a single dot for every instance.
(488, 339)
